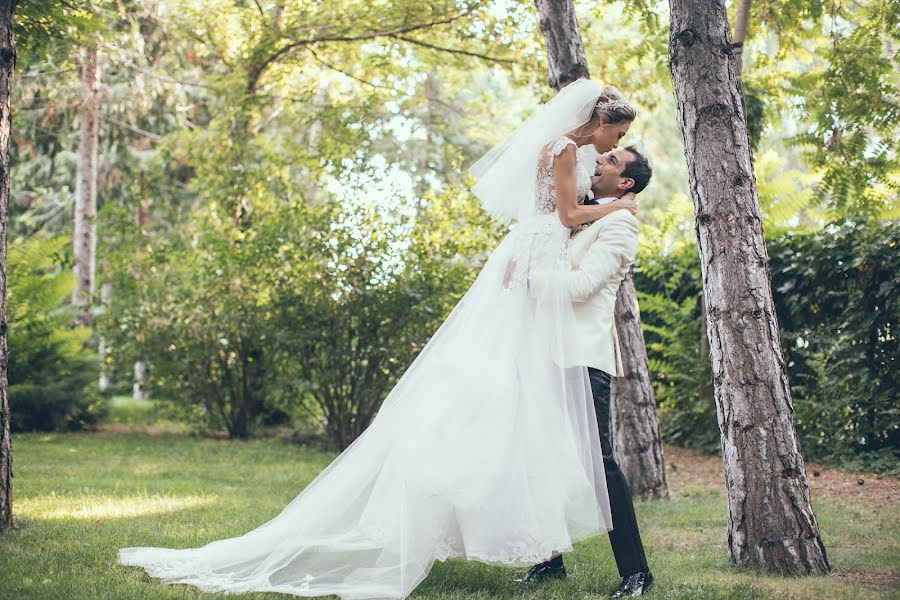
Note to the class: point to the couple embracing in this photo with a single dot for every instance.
(494, 445)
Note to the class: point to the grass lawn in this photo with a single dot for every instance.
(77, 498)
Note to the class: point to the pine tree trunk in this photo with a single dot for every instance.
(632, 400)
(771, 524)
(85, 234)
(7, 63)
(635, 425)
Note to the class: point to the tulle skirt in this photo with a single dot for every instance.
(486, 449)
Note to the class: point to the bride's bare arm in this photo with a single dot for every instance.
(570, 212)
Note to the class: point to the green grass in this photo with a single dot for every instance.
(77, 498)
(141, 415)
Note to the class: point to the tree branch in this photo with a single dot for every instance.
(324, 63)
(132, 128)
(256, 71)
(452, 50)
(130, 65)
(328, 65)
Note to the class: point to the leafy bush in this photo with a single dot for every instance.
(310, 311)
(52, 376)
(668, 294)
(835, 296)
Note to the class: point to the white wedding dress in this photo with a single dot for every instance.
(485, 450)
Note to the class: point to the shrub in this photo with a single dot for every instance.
(52, 375)
(835, 296)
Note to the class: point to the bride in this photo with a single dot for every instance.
(486, 449)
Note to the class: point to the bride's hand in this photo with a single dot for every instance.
(627, 202)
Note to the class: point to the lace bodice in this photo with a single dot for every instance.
(545, 189)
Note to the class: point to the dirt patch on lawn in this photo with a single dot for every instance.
(890, 580)
(690, 473)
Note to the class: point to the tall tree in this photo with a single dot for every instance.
(85, 235)
(637, 445)
(771, 523)
(7, 64)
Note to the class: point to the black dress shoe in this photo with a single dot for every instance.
(551, 569)
(634, 585)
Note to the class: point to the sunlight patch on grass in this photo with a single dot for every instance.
(55, 507)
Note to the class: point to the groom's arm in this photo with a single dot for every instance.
(616, 245)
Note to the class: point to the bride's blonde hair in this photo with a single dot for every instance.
(612, 107)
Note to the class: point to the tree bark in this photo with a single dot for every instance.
(106, 291)
(632, 399)
(137, 385)
(707, 393)
(771, 524)
(565, 53)
(635, 425)
(740, 33)
(7, 64)
(85, 234)
(142, 220)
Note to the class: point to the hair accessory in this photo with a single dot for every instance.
(613, 105)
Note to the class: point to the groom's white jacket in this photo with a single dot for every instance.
(601, 256)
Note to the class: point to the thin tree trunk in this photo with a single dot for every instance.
(640, 455)
(7, 64)
(142, 220)
(635, 425)
(137, 385)
(85, 235)
(105, 298)
(771, 524)
(740, 33)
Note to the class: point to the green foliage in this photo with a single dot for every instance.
(346, 339)
(45, 30)
(52, 377)
(267, 251)
(835, 295)
(837, 63)
(312, 311)
(669, 293)
(197, 308)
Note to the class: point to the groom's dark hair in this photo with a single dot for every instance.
(637, 169)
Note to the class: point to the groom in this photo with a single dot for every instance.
(602, 253)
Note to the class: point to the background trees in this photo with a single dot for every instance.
(242, 149)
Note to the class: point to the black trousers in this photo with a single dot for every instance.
(624, 537)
